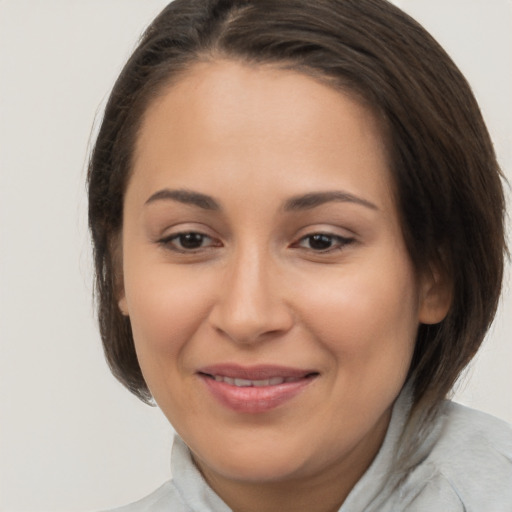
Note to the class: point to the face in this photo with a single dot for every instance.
(273, 303)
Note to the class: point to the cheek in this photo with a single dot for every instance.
(166, 309)
(365, 317)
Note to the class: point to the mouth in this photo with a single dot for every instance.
(255, 389)
(246, 383)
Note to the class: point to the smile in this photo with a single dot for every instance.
(244, 383)
(254, 390)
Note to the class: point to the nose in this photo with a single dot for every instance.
(251, 305)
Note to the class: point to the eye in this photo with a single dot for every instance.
(323, 242)
(188, 242)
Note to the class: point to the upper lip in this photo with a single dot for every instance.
(257, 372)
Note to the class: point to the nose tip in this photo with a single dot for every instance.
(249, 329)
(251, 306)
(244, 320)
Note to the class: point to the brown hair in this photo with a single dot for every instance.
(447, 181)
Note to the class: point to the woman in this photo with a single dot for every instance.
(297, 219)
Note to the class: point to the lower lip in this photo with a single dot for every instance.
(252, 399)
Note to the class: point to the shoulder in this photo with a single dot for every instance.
(469, 436)
(473, 455)
(163, 499)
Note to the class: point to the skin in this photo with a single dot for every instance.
(257, 290)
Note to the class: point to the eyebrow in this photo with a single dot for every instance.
(314, 199)
(297, 203)
(186, 197)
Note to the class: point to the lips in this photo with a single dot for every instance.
(241, 383)
(255, 389)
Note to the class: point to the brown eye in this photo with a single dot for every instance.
(323, 242)
(320, 242)
(190, 241)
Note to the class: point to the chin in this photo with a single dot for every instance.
(255, 466)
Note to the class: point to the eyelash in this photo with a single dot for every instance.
(337, 242)
(169, 242)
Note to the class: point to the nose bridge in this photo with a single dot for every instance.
(251, 304)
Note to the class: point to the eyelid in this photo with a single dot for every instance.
(169, 230)
(341, 241)
(167, 241)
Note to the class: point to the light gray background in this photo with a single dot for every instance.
(71, 438)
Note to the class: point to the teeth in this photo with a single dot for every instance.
(260, 383)
(244, 383)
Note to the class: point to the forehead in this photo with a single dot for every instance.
(263, 123)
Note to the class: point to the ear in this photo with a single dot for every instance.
(116, 254)
(123, 306)
(119, 291)
(436, 296)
